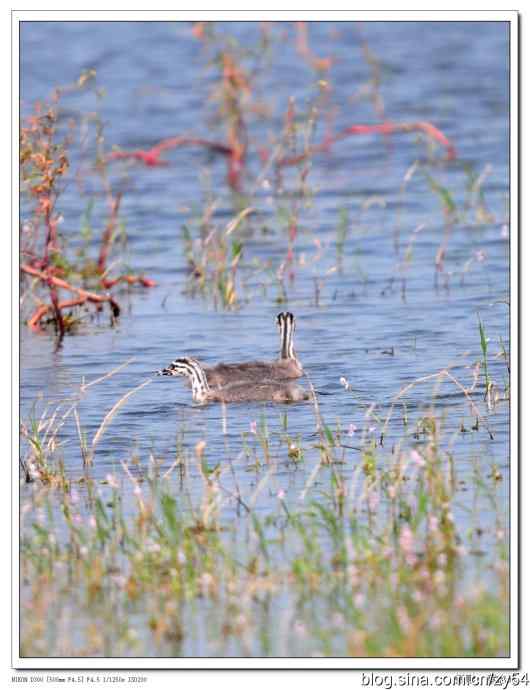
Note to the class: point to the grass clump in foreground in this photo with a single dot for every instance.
(175, 563)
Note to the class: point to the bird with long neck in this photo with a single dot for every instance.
(274, 391)
(287, 366)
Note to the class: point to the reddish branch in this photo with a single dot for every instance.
(302, 46)
(393, 127)
(43, 309)
(45, 206)
(130, 280)
(151, 157)
(106, 243)
(384, 128)
(236, 151)
(82, 296)
(56, 307)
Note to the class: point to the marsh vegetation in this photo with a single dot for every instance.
(290, 167)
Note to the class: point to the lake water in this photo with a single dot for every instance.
(360, 326)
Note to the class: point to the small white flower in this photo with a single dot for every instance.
(112, 481)
(358, 600)
(442, 560)
(433, 523)
(373, 501)
(119, 580)
(337, 620)
(435, 620)
(300, 629)
(439, 577)
(416, 458)
(418, 596)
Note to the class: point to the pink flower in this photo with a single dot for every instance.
(406, 540)
(425, 573)
(337, 620)
(112, 481)
(373, 501)
(358, 600)
(352, 429)
(435, 620)
(253, 428)
(403, 619)
(433, 523)
(300, 629)
(416, 458)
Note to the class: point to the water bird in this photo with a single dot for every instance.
(248, 391)
(287, 366)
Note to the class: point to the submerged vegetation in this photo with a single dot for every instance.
(327, 540)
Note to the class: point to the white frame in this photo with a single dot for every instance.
(511, 662)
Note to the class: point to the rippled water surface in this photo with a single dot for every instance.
(355, 323)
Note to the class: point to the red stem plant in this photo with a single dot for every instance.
(237, 106)
(44, 164)
(234, 93)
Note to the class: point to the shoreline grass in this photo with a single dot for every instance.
(386, 554)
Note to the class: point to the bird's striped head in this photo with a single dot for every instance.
(286, 324)
(193, 371)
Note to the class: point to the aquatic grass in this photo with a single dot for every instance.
(492, 394)
(402, 562)
(342, 232)
(476, 200)
(214, 257)
(406, 260)
(484, 348)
